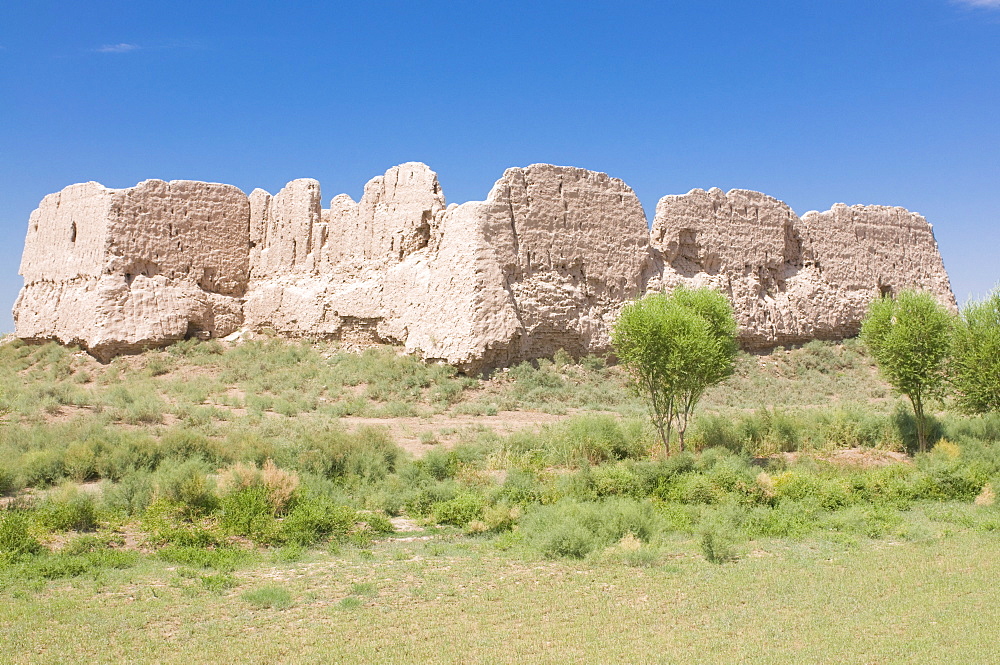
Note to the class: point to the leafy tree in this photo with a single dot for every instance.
(910, 338)
(975, 363)
(675, 347)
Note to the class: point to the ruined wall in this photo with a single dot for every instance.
(544, 262)
(792, 280)
(120, 270)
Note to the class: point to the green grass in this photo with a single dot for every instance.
(209, 504)
(885, 602)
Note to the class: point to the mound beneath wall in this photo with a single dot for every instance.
(545, 262)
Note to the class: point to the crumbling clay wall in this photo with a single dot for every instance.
(119, 270)
(792, 280)
(545, 262)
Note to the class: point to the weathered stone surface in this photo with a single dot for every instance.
(545, 262)
(120, 270)
(792, 280)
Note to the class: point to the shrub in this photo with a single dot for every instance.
(124, 453)
(278, 485)
(168, 523)
(42, 467)
(131, 495)
(8, 480)
(717, 544)
(630, 551)
(187, 485)
(315, 518)
(67, 510)
(367, 455)
(16, 541)
(573, 529)
(459, 511)
(249, 512)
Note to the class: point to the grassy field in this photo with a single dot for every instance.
(450, 599)
(289, 502)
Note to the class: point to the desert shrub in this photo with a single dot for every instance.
(715, 431)
(67, 510)
(249, 512)
(187, 485)
(129, 496)
(279, 486)
(520, 487)
(315, 518)
(80, 460)
(440, 464)
(599, 438)
(40, 468)
(9, 482)
(16, 540)
(788, 519)
(167, 523)
(769, 431)
(183, 443)
(871, 521)
(459, 511)
(897, 485)
(577, 441)
(617, 480)
(62, 564)
(496, 518)
(573, 529)
(366, 455)
(718, 544)
(984, 428)
(629, 551)
(953, 478)
(123, 453)
(419, 498)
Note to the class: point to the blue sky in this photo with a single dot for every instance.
(891, 102)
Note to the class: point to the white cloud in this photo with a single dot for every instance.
(117, 48)
(989, 4)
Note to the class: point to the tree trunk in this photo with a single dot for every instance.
(918, 412)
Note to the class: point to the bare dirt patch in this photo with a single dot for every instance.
(864, 458)
(418, 435)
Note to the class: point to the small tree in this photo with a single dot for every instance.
(675, 347)
(975, 362)
(909, 337)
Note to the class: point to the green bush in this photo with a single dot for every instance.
(8, 480)
(131, 495)
(40, 468)
(717, 544)
(170, 524)
(315, 518)
(459, 511)
(573, 529)
(124, 453)
(364, 456)
(16, 540)
(187, 485)
(248, 512)
(67, 510)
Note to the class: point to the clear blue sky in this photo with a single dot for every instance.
(890, 102)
